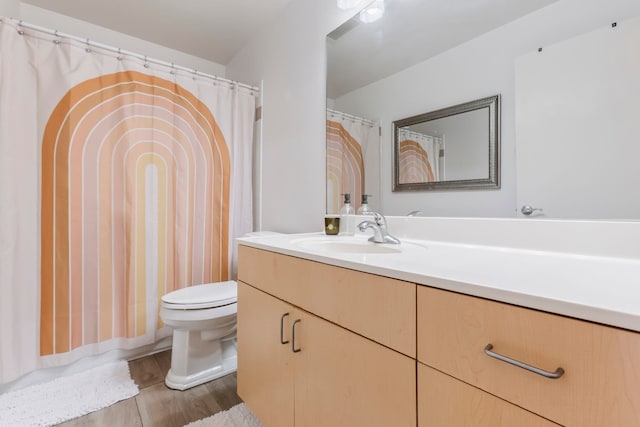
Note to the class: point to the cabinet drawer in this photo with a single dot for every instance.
(446, 401)
(376, 307)
(600, 385)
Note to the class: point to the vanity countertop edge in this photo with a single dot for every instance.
(592, 288)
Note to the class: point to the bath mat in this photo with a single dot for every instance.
(238, 416)
(67, 397)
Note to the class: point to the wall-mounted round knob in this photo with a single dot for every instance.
(528, 210)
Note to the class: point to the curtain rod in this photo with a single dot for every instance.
(349, 116)
(119, 51)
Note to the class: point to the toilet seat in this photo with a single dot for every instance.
(200, 297)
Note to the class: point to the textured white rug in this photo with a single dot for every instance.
(238, 416)
(67, 397)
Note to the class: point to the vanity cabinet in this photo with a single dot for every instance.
(601, 380)
(376, 351)
(338, 360)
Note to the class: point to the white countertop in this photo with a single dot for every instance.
(596, 288)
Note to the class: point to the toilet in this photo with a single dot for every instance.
(203, 319)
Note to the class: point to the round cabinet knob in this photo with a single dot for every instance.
(528, 210)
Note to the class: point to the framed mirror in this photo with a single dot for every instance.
(456, 147)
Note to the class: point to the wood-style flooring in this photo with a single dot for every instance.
(159, 406)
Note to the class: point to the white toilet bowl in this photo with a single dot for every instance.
(203, 319)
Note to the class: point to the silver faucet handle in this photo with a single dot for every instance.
(379, 219)
(414, 213)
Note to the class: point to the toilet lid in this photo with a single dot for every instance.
(202, 296)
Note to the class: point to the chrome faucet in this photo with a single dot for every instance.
(414, 213)
(379, 227)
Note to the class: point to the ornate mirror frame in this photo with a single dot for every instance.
(492, 181)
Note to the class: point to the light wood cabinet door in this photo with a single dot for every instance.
(265, 366)
(445, 401)
(345, 380)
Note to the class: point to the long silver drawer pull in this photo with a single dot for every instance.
(553, 375)
(293, 337)
(282, 341)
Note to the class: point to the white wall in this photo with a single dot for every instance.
(76, 27)
(481, 67)
(10, 8)
(289, 56)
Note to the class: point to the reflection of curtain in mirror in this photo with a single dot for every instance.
(347, 140)
(418, 157)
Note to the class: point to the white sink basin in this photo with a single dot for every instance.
(346, 245)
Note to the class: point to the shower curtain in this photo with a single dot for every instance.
(418, 157)
(120, 181)
(347, 141)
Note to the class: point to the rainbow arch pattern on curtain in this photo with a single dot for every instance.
(414, 163)
(345, 165)
(135, 195)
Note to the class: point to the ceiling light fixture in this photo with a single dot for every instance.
(373, 12)
(347, 4)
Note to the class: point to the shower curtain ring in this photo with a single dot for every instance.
(21, 32)
(146, 64)
(88, 48)
(56, 40)
(119, 57)
(173, 68)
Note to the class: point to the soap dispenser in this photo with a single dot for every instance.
(364, 206)
(347, 217)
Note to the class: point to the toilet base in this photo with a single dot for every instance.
(195, 360)
(183, 382)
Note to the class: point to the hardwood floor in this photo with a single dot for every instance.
(159, 406)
